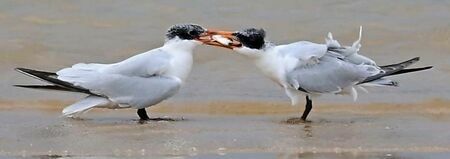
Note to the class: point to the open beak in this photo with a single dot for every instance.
(224, 39)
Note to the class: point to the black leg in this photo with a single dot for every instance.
(144, 117)
(143, 114)
(308, 108)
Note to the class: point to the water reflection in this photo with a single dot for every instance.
(307, 125)
(346, 155)
(307, 128)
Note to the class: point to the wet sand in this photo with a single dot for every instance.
(224, 130)
(229, 109)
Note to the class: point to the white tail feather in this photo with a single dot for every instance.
(354, 93)
(349, 91)
(357, 44)
(84, 105)
(294, 95)
(362, 89)
(380, 83)
(331, 42)
(350, 52)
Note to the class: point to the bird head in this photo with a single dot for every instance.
(186, 32)
(249, 41)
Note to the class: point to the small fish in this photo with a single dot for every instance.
(222, 40)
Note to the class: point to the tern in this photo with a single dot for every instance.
(309, 69)
(138, 82)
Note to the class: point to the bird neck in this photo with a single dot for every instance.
(271, 65)
(253, 54)
(181, 45)
(182, 60)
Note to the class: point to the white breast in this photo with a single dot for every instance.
(180, 65)
(181, 58)
(272, 66)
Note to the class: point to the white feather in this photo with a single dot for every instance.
(381, 83)
(84, 105)
(362, 88)
(357, 44)
(354, 93)
(330, 42)
(294, 95)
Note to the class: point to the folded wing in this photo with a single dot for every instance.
(306, 52)
(137, 82)
(134, 91)
(330, 75)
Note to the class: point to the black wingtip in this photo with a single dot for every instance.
(32, 72)
(420, 68)
(394, 83)
(403, 64)
(17, 85)
(49, 77)
(414, 60)
(408, 70)
(25, 70)
(20, 69)
(29, 86)
(45, 87)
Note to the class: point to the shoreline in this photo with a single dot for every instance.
(431, 106)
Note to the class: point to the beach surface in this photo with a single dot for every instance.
(227, 108)
(229, 130)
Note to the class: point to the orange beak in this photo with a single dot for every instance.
(227, 39)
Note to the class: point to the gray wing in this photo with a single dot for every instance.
(303, 50)
(136, 82)
(329, 75)
(134, 91)
(153, 62)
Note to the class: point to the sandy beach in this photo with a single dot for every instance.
(227, 108)
(229, 130)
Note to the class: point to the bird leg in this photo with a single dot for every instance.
(144, 117)
(308, 108)
(142, 114)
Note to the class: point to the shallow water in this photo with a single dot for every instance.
(116, 134)
(354, 131)
(229, 109)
